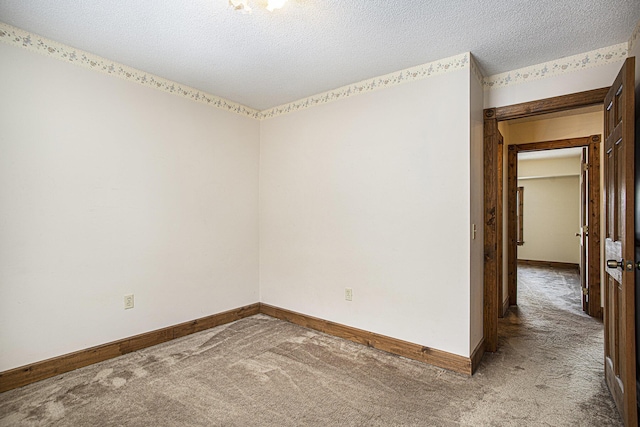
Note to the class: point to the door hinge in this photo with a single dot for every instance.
(585, 167)
(585, 291)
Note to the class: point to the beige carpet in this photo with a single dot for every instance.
(264, 372)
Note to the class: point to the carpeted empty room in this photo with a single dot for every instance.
(311, 213)
(261, 371)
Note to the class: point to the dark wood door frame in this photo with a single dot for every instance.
(492, 271)
(592, 221)
(499, 225)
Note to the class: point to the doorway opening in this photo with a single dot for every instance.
(563, 219)
(618, 217)
(494, 195)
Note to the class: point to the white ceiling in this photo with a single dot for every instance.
(310, 46)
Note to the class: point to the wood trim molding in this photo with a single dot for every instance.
(551, 105)
(558, 143)
(550, 264)
(476, 355)
(34, 372)
(512, 225)
(500, 219)
(38, 371)
(442, 359)
(593, 258)
(491, 268)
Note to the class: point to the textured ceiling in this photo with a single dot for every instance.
(310, 46)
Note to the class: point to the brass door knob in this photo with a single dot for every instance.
(612, 263)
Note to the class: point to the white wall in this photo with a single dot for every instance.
(373, 193)
(551, 209)
(109, 188)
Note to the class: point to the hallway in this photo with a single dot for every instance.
(552, 355)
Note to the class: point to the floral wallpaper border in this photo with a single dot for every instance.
(581, 61)
(453, 63)
(35, 43)
(635, 35)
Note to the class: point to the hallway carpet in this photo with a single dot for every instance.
(260, 371)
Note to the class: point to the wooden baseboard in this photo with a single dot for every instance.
(28, 374)
(476, 356)
(552, 264)
(505, 306)
(38, 371)
(432, 356)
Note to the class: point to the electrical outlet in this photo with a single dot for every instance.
(348, 294)
(128, 301)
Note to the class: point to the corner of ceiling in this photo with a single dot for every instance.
(21, 38)
(564, 65)
(24, 39)
(446, 65)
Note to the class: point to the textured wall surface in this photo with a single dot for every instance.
(551, 219)
(115, 188)
(109, 188)
(361, 194)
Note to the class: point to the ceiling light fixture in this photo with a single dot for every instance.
(243, 5)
